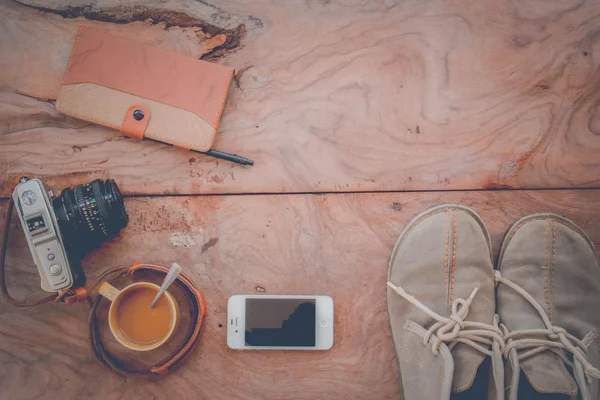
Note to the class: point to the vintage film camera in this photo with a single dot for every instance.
(60, 230)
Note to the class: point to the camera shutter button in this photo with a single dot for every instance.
(55, 269)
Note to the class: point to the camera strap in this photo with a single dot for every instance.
(79, 294)
(12, 301)
(177, 357)
(69, 296)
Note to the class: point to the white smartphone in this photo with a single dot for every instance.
(271, 322)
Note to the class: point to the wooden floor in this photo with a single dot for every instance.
(358, 115)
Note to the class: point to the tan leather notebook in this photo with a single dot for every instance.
(144, 91)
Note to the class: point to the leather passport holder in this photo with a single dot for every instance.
(144, 91)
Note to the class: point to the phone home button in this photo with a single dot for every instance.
(324, 322)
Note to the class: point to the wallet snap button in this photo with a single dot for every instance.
(138, 115)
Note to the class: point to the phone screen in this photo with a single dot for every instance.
(280, 322)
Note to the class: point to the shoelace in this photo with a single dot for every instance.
(553, 338)
(454, 329)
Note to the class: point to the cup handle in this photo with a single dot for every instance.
(109, 291)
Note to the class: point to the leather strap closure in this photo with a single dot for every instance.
(135, 122)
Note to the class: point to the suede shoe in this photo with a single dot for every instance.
(548, 300)
(441, 304)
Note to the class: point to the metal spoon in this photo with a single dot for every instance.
(173, 273)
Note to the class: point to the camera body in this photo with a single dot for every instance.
(43, 235)
(60, 230)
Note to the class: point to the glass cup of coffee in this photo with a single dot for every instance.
(133, 323)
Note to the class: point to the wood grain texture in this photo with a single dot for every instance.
(336, 245)
(333, 96)
(36, 44)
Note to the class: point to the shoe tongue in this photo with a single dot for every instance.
(466, 363)
(546, 372)
(424, 375)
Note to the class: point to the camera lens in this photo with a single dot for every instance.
(90, 213)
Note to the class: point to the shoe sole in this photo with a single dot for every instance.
(518, 224)
(412, 223)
